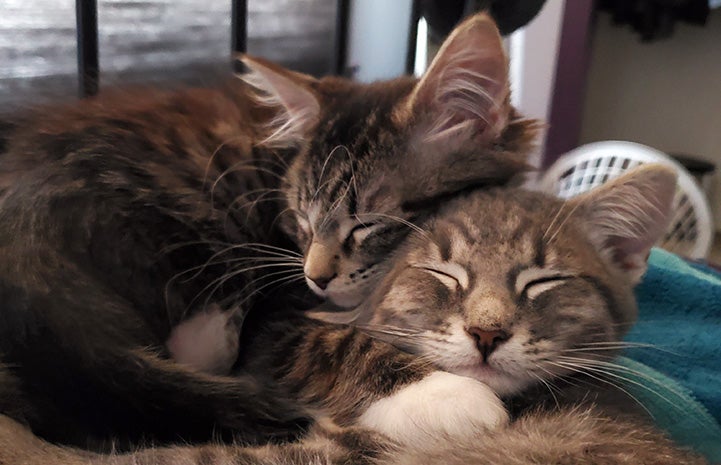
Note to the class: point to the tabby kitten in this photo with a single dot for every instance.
(123, 215)
(528, 294)
(511, 288)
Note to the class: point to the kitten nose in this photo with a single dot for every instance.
(320, 264)
(322, 281)
(487, 340)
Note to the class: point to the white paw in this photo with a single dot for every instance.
(208, 341)
(440, 406)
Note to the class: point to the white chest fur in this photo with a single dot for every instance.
(439, 407)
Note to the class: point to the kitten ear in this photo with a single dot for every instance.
(289, 92)
(466, 86)
(628, 215)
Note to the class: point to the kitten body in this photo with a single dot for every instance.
(126, 214)
(525, 293)
(565, 271)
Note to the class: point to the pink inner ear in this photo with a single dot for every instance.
(647, 233)
(466, 86)
(471, 93)
(627, 254)
(301, 105)
(631, 213)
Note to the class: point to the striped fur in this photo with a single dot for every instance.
(537, 270)
(496, 237)
(123, 215)
(571, 437)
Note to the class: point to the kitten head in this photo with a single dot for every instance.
(513, 287)
(376, 158)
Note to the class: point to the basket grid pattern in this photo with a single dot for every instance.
(690, 231)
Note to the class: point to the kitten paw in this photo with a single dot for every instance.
(440, 406)
(207, 341)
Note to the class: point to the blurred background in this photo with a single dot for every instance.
(153, 41)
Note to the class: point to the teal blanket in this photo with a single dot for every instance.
(679, 378)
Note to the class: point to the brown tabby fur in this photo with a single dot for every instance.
(340, 370)
(573, 437)
(122, 215)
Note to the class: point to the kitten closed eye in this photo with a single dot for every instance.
(533, 282)
(361, 231)
(450, 275)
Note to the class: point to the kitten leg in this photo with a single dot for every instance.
(207, 341)
(333, 446)
(441, 405)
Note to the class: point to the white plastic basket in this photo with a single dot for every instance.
(690, 233)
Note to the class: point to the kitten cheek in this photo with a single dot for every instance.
(419, 278)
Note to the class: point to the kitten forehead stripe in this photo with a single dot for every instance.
(540, 257)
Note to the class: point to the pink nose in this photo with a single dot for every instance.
(487, 340)
(322, 281)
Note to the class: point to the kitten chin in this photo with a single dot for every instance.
(501, 383)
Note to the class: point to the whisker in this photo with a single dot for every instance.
(419, 360)
(334, 206)
(281, 213)
(555, 376)
(548, 386)
(596, 376)
(282, 281)
(261, 199)
(318, 186)
(599, 364)
(254, 247)
(277, 261)
(180, 245)
(406, 328)
(622, 345)
(219, 282)
(319, 189)
(553, 221)
(240, 166)
(252, 192)
(403, 221)
(215, 153)
(560, 226)
(611, 370)
(266, 248)
(352, 171)
(393, 335)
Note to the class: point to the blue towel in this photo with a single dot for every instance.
(673, 408)
(680, 316)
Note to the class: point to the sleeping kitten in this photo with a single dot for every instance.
(512, 288)
(125, 214)
(386, 164)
